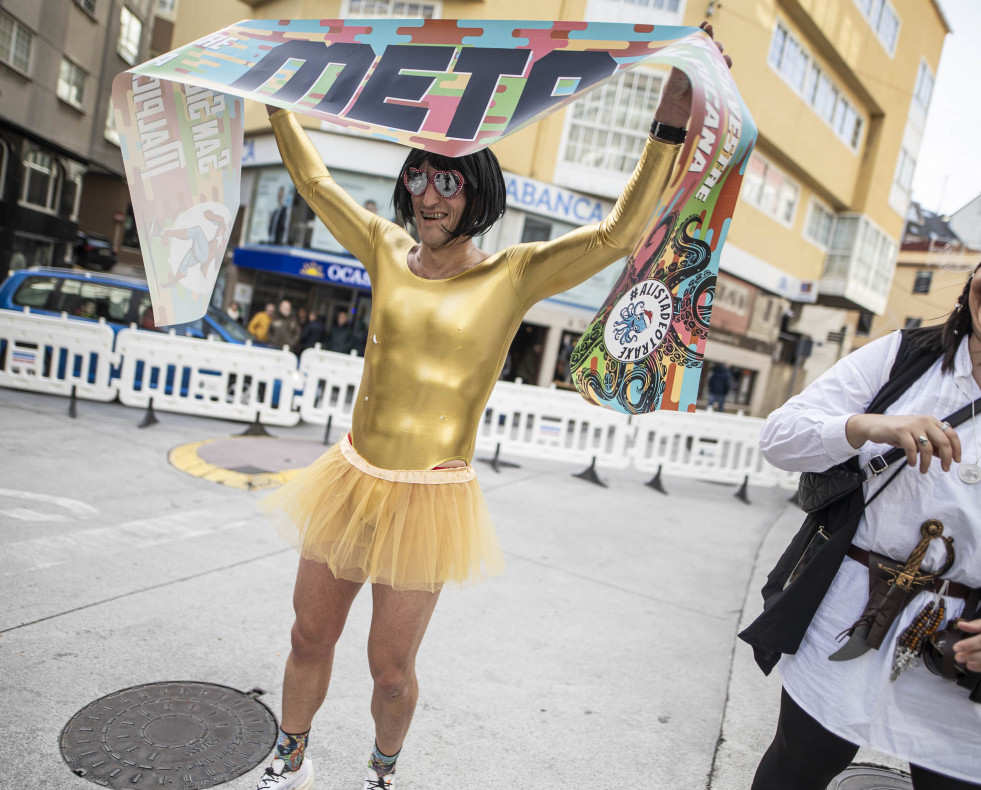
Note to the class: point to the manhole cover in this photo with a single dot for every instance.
(870, 777)
(183, 735)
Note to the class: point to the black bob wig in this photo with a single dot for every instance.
(483, 187)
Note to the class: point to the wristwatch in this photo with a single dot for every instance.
(669, 134)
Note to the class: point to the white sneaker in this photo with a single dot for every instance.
(375, 782)
(276, 777)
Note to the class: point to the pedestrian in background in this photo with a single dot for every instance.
(285, 329)
(313, 332)
(340, 337)
(720, 382)
(260, 323)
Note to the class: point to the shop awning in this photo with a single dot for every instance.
(321, 267)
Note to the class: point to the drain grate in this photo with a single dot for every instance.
(870, 777)
(185, 735)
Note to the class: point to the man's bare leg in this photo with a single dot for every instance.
(321, 602)
(398, 623)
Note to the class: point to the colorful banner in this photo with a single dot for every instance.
(452, 87)
(644, 349)
(182, 151)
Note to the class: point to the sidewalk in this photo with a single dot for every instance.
(604, 657)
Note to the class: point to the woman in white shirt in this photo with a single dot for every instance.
(829, 708)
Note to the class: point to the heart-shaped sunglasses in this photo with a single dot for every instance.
(447, 183)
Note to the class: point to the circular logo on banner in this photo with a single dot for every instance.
(639, 321)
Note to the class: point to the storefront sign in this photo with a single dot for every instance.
(307, 264)
(552, 201)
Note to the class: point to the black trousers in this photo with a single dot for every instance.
(806, 756)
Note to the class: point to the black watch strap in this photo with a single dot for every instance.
(669, 134)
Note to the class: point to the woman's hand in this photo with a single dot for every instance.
(968, 651)
(674, 108)
(907, 433)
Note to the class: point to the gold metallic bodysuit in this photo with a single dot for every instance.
(436, 347)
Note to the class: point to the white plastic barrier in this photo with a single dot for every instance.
(330, 384)
(54, 354)
(538, 422)
(771, 476)
(704, 445)
(214, 379)
(207, 377)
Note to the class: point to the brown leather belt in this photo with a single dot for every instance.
(954, 589)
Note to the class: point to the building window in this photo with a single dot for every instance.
(71, 194)
(41, 181)
(16, 43)
(864, 323)
(110, 132)
(390, 8)
(130, 33)
(743, 382)
(4, 151)
(921, 285)
(788, 57)
(609, 126)
(820, 221)
(71, 83)
(536, 229)
(883, 20)
(859, 251)
(28, 251)
(912, 323)
(905, 167)
(166, 6)
(924, 88)
(88, 5)
(770, 190)
(793, 62)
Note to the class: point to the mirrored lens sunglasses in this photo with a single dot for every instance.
(447, 183)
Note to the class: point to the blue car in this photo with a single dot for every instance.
(121, 301)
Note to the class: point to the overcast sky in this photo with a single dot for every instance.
(948, 172)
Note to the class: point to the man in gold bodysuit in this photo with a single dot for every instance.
(396, 503)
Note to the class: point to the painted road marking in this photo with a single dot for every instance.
(54, 550)
(26, 514)
(78, 509)
(186, 458)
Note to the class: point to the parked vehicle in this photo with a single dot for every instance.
(94, 251)
(121, 301)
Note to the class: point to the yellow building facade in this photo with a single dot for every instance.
(924, 289)
(839, 90)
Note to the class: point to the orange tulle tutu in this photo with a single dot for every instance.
(411, 530)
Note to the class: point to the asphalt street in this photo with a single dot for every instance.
(605, 657)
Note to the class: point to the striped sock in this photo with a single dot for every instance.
(290, 748)
(383, 764)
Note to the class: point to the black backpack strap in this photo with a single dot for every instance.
(911, 363)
